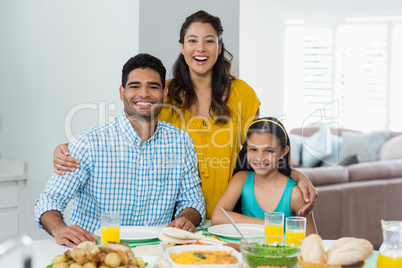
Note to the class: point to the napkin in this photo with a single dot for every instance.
(179, 236)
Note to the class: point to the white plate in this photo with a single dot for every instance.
(178, 249)
(151, 260)
(227, 230)
(136, 233)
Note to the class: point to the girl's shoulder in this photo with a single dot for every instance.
(297, 199)
(240, 176)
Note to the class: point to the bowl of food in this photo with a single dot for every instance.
(206, 256)
(275, 254)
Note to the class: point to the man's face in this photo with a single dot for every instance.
(143, 95)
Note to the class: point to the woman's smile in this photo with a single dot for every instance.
(200, 59)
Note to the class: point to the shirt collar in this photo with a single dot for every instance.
(130, 133)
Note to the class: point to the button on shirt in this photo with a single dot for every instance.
(117, 173)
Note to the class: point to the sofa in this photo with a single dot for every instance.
(354, 197)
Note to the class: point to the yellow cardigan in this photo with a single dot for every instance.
(217, 146)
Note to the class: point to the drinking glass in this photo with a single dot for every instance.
(273, 226)
(110, 227)
(295, 228)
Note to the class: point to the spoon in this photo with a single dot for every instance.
(234, 225)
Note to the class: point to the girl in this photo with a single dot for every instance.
(261, 178)
(214, 107)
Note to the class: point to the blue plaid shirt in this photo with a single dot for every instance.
(117, 173)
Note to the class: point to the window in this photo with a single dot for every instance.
(346, 71)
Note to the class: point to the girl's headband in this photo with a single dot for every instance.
(276, 123)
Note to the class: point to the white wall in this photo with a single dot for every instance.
(261, 39)
(63, 56)
(56, 55)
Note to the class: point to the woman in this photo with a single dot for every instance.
(214, 107)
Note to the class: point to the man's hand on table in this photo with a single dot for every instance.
(72, 236)
(183, 223)
(187, 219)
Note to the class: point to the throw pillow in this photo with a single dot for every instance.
(365, 146)
(295, 149)
(333, 159)
(350, 160)
(392, 149)
(317, 147)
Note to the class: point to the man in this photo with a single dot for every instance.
(137, 165)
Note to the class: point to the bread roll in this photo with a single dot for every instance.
(338, 243)
(349, 251)
(312, 249)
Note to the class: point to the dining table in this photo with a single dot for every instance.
(43, 251)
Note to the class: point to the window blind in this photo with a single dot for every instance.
(348, 73)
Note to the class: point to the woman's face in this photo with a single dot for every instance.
(263, 152)
(200, 48)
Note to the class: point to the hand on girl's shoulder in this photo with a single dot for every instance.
(297, 196)
(296, 200)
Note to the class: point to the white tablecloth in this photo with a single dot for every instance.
(43, 251)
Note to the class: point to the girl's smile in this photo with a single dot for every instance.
(263, 152)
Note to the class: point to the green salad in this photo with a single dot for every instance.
(271, 255)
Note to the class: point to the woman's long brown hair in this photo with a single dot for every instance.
(181, 89)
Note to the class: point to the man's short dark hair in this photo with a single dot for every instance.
(143, 61)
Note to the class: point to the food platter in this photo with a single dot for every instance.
(228, 231)
(179, 249)
(136, 233)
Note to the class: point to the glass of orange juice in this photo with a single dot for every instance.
(295, 227)
(273, 226)
(110, 227)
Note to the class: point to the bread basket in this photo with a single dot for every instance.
(305, 264)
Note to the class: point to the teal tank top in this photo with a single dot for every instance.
(249, 204)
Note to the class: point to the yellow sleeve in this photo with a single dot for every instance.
(244, 104)
(166, 113)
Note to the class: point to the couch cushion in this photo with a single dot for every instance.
(328, 211)
(365, 146)
(394, 190)
(363, 206)
(392, 149)
(326, 175)
(376, 170)
(295, 149)
(317, 147)
(333, 159)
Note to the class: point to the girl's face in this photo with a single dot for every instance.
(200, 48)
(263, 152)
